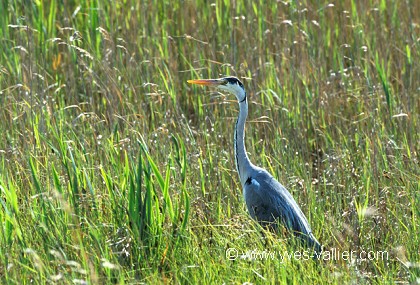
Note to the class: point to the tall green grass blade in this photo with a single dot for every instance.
(166, 194)
(384, 81)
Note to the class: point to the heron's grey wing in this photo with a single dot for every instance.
(262, 206)
(275, 202)
(285, 206)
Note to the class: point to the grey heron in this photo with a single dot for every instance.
(267, 200)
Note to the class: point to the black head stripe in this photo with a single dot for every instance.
(234, 80)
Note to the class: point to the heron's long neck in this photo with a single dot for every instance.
(242, 160)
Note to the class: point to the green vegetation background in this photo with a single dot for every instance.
(114, 170)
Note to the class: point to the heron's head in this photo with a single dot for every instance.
(230, 84)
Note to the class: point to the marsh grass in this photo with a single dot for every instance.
(114, 170)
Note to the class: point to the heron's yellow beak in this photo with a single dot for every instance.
(208, 82)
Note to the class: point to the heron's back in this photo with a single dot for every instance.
(269, 202)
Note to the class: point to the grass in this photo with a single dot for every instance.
(115, 171)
